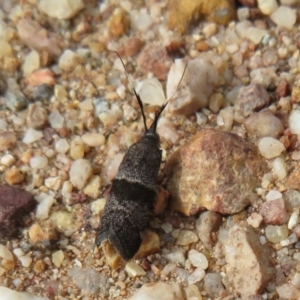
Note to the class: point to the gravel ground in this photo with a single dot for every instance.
(229, 138)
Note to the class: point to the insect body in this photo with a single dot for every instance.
(133, 192)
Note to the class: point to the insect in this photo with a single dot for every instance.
(133, 191)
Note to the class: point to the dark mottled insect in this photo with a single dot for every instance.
(133, 192)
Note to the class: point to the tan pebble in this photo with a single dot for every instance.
(8, 264)
(14, 176)
(99, 80)
(7, 160)
(96, 48)
(6, 49)
(53, 183)
(57, 258)
(41, 76)
(186, 237)
(93, 139)
(60, 92)
(36, 116)
(77, 149)
(293, 180)
(26, 156)
(202, 46)
(132, 47)
(7, 140)
(134, 270)
(97, 206)
(39, 266)
(31, 62)
(113, 258)
(296, 92)
(69, 60)
(119, 23)
(150, 245)
(93, 187)
(10, 64)
(36, 233)
(161, 201)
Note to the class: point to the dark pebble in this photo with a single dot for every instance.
(15, 203)
(42, 92)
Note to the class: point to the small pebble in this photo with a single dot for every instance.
(38, 162)
(193, 292)
(176, 257)
(134, 270)
(93, 187)
(294, 122)
(32, 135)
(294, 219)
(151, 91)
(210, 30)
(186, 237)
(7, 140)
(273, 195)
(254, 220)
(64, 222)
(69, 60)
(53, 183)
(98, 205)
(25, 261)
(62, 146)
(255, 35)
(284, 17)
(270, 147)
(57, 258)
(5, 253)
(267, 7)
(80, 172)
(13, 176)
(43, 208)
(198, 259)
(167, 227)
(7, 160)
(288, 291)
(65, 9)
(196, 276)
(56, 120)
(18, 252)
(77, 148)
(31, 62)
(93, 139)
(42, 92)
(276, 234)
(213, 284)
(279, 168)
(296, 280)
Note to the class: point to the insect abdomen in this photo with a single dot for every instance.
(131, 201)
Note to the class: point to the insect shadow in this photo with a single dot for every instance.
(133, 191)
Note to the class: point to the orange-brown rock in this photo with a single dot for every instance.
(161, 201)
(215, 170)
(293, 180)
(119, 23)
(184, 12)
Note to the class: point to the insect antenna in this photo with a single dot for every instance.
(135, 93)
(153, 126)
